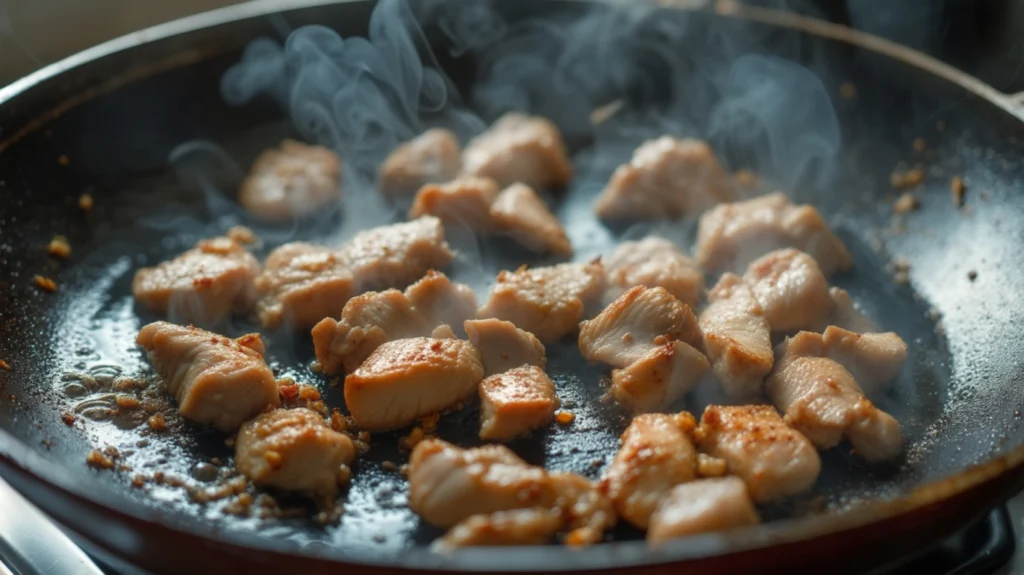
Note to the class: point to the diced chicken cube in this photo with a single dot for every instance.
(628, 328)
(791, 289)
(302, 284)
(774, 460)
(654, 262)
(293, 181)
(515, 403)
(433, 156)
(845, 314)
(465, 201)
(202, 285)
(702, 506)
(216, 380)
(397, 255)
(874, 359)
(666, 178)
(503, 528)
(409, 378)
(519, 148)
(657, 453)
(737, 338)
(442, 301)
(519, 213)
(547, 301)
(659, 378)
(730, 236)
(503, 346)
(294, 450)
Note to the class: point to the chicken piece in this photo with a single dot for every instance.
(202, 285)
(216, 380)
(520, 213)
(515, 403)
(443, 331)
(465, 201)
(654, 262)
(397, 255)
(442, 301)
(791, 289)
(294, 450)
(627, 329)
(302, 284)
(666, 178)
(774, 460)
(845, 314)
(588, 512)
(409, 378)
(505, 528)
(433, 156)
(547, 301)
(503, 346)
(702, 506)
(874, 359)
(294, 180)
(730, 236)
(737, 338)
(659, 378)
(657, 454)
(519, 148)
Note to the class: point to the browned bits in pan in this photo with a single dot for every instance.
(157, 422)
(45, 283)
(410, 441)
(972, 275)
(901, 270)
(127, 402)
(908, 179)
(905, 204)
(4, 365)
(98, 460)
(85, 202)
(565, 417)
(138, 482)
(957, 187)
(59, 247)
(389, 466)
(68, 418)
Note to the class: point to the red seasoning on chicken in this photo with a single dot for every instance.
(521, 214)
(519, 148)
(702, 506)
(301, 284)
(791, 289)
(293, 181)
(398, 254)
(654, 262)
(503, 346)
(432, 157)
(517, 527)
(464, 201)
(737, 338)
(516, 402)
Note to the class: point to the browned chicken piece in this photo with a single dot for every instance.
(820, 398)
(397, 255)
(737, 338)
(216, 380)
(294, 180)
(588, 512)
(657, 454)
(548, 301)
(442, 301)
(874, 359)
(659, 378)
(433, 156)
(520, 213)
(519, 148)
(791, 289)
(730, 236)
(638, 321)
(503, 346)
(845, 314)
(666, 178)
(409, 378)
(516, 402)
(367, 322)
(774, 460)
(301, 284)
(702, 506)
(655, 262)
(202, 285)
(503, 528)
(466, 201)
(294, 450)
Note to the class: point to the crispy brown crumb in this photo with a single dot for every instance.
(908, 179)
(410, 441)
(905, 204)
(972, 275)
(957, 188)
(85, 202)
(919, 145)
(98, 460)
(364, 436)
(240, 506)
(308, 392)
(578, 537)
(138, 482)
(242, 235)
(127, 402)
(59, 247)
(389, 466)
(403, 470)
(564, 417)
(63, 160)
(111, 452)
(45, 283)
(901, 270)
(746, 178)
(847, 90)
(596, 462)
(68, 418)
(157, 422)
(338, 422)
(4, 365)
(429, 423)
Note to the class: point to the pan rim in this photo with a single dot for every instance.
(16, 453)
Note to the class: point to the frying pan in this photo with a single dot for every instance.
(111, 122)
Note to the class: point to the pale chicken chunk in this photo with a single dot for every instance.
(433, 156)
(659, 378)
(730, 236)
(791, 289)
(216, 380)
(656, 454)
(442, 301)
(465, 201)
(654, 262)
(666, 178)
(294, 180)
(774, 460)
(301, 284)
(845, 314)
(295, 450)
(519, 148)
(737, 338)
(874, 359)
(703, 506)
(519, 213)
(405, 379)
(516, 402)
(503, 346)
(202, 285)
(397, 255)
(634, 324)
(514, 527)
(547, 301)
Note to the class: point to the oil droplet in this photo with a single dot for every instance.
(205, 472)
